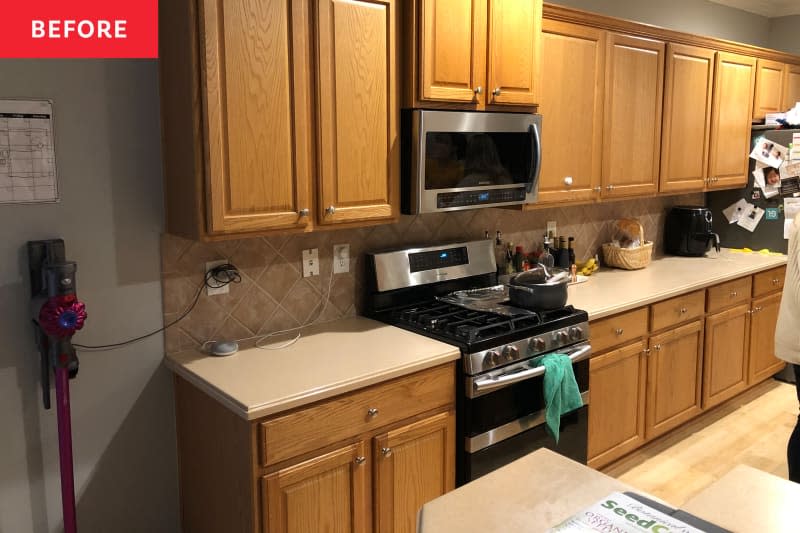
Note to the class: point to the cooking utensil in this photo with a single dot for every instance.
(539, 288)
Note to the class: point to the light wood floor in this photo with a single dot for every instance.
(751, 429)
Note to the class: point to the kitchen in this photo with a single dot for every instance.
(272, 295)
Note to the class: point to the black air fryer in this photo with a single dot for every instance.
(687, 231)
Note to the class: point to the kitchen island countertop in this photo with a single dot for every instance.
(329, 359)
(543, 489)
(609, 290)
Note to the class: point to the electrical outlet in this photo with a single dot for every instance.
(341, 258)
(311, 262)
(551, 228)
(213, 291)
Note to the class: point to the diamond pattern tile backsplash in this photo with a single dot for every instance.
(274, 296)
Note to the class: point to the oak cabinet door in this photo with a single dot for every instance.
(514, 27)
(632, 115)
(764, 315)
(674, 383)
(357, 110)
(325, 493)
(732, 110)
(617, 382)
(791, 87)
(452, 50)
(255, 87)
(769, 88)
(687, 118)
(573, 62)
(725, 355)
(413, 465)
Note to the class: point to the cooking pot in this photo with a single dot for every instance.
(540, 288)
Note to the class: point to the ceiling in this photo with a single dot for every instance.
(766, 8)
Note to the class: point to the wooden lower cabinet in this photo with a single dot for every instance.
(725, 357)
(617, 382)
(674, 378)
(762, 360)
(413, 465)
(325, 493)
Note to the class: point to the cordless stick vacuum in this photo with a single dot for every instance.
(57, 314)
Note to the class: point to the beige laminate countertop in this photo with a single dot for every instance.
(328, 359)
(609, 290)
(543, 489)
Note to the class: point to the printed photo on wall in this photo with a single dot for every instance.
(751, 217)
(768, 179)
(790, 186)
(769, 153)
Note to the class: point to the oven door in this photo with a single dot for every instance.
(463, 160)
(503, 417)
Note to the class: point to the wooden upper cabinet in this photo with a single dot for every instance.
(513, 51)
(791, 87)
(358, 111)
(256, 101)
(573, 70)
(633, 103)
(769, 88)
(687, 118)
(734, 81)
(472, 53)
(452, 50)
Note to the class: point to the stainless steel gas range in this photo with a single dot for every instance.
(500, 405)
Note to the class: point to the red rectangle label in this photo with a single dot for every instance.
(79, 28)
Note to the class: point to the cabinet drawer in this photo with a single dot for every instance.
(728, 294)
(677, 310)
(768, 281)
(352, 414)
(618, 329)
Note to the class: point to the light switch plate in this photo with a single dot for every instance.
(311, 262)
(211, 291)
(341, 258)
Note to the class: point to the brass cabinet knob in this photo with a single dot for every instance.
(597, 189)
(303, 212)
(619, 331)
(478, 90)
(386, 452)
(609, 187)
(372, 412)
(684, 310)
(496, 91)
(360, 460)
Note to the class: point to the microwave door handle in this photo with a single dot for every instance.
(536, 148)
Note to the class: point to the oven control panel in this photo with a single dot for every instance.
(502, 355)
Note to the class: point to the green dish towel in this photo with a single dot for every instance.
(561, 393)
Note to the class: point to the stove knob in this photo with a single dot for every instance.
(510, 353)
(492, 358)
(561, 337)
(537, 344)
(575, 333)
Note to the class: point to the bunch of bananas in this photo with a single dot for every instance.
(585, 268)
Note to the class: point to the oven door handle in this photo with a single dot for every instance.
(488, 384)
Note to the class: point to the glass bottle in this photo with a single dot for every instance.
(571, 250)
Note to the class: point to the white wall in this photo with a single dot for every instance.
(110, 215)
(784, 34)
(693, 16)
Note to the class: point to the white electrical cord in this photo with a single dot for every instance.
(261, 338)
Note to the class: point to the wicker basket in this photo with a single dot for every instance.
(629, 258)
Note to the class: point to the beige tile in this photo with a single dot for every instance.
(177, 293)
(301, 300)
(255, 309)
(193, 262)
(232, 329)
(204, 320)
(279, 321)
(343, 292)
(236, 291)
(278, 279)
(172, 248)
(252, 256)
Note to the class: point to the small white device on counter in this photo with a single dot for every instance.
(223, 348)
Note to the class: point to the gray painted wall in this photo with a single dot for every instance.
(784, 34)
(110, 214)
(693, 16)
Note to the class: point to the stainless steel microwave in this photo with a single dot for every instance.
(453, 160)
